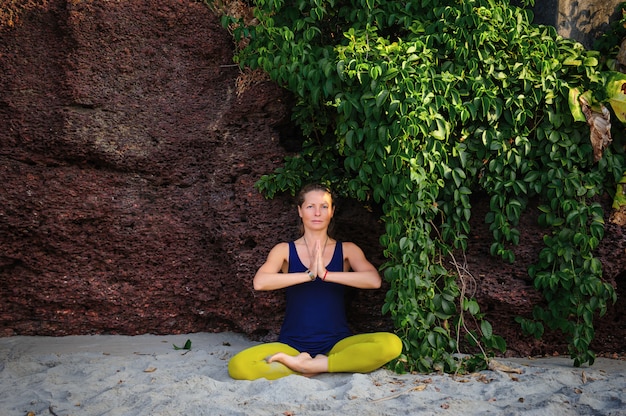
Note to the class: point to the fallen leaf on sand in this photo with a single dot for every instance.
(483, 378)
(416, 388)
(497, 366)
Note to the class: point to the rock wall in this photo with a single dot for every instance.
(586, 20)
(128, 157)
(127, 163)
(581, 20)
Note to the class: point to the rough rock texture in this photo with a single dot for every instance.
(585, 20)
(127, 162)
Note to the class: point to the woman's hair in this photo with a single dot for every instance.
(300, 200)
(313, 187)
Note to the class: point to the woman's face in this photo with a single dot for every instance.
(317, 210)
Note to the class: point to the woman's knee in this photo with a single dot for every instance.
(392, 345)
(234, 369)
(238, 369)
(251, 363)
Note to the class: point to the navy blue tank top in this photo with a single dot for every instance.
(315, 318)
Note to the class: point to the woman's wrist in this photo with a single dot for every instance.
(325, 274)
(311, 275)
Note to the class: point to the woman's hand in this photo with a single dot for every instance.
(317, 260)
(320, 264)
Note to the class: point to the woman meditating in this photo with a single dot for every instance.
(315, 270)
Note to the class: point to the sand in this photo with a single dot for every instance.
(146, 375)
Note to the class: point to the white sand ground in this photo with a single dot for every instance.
(145, 375)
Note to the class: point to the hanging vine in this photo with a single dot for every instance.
(416, 106)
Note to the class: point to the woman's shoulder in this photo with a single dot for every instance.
(347, 243)
(349, 247)
(280, 252)
(281, 246)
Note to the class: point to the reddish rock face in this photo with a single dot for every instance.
(128, 158)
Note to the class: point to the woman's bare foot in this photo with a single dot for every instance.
(302, 363)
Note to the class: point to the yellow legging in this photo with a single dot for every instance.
(355, 354)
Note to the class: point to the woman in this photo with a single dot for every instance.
(315, 269)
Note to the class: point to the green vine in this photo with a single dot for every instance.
(418, 105)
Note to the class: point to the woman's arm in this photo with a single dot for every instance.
(273, 274)
(363, 275)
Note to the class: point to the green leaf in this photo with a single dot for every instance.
(590, 61)
(381, 97)
(574, 105)
(187, 346)
(486, 329)
(471, 306)
(616, 91)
